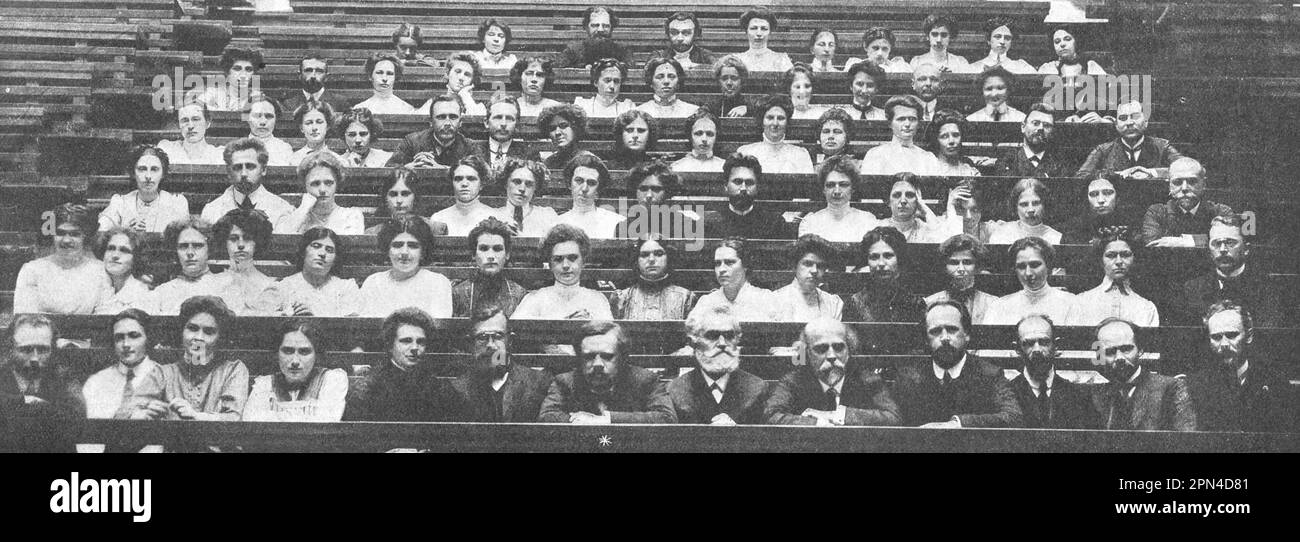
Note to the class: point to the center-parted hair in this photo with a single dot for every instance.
(935, 21)
(314, 333)
(767, 103)
(142, 318)
(1028, 184)
(784, 84)
(480, 167)
(380, 57)
(412, 224)
(741, 246)
(626, 118)
(903, 100)
(521, 66)
(891, 237)
(598, 67)
(311, 236)
(404, 175)
(323, 158)
(207, 304)
(655, 168)
(653, 66)
(588, 161)
(845, 165)
(811, 243)
(634, 255)
(758, 12)
(487, 25)
(253, 223)
(1044, 249)
(943, 117)
(1000, 21)
(563, 233)
(140, 151)
(963, 242)
(879, 33)
(324, 108)
(235, 54)
(362, 116)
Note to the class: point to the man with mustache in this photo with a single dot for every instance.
(501, 123)
(1232, 278)
(599, 22)
(683, 29)
(963, 256)
(441, 144)
(1133, 155)
(1115, 295)
(133, 340)
(403, 389)
(604, 388)
(1036, 156)
(1236, 389)
(1048, 400)
(246, 161)
(313, 72)
(489, 241)
(927, 84)
(741, 176)
(1181, 220)
(31, 390)
(718, 391)
(954, 388)
(1136, 399)
(828, 390)
(494, 388)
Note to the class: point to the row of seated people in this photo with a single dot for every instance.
(1235, 389)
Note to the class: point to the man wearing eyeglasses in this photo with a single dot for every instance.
(31, 390)
(1047, 399)
(494, 388)
(717, 391)
(1185, 217)
(827, 390)
(604, 388)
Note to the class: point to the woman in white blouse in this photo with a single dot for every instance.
(321, 174)
(314, 120)
(317, 290)
(1069, 61)
(462, 78)
(839, 221)
(665, 77)
(189, 240)
(999, 34)
(495, 37)
(1027, 197)
(467, 179)
(750, 303)
(909, 214)
(803, 299)
(822, 44)
(773, 152)
(408, 241)
(530, 76)
(995, 88)
(148, 208)
(759, 24)
(798, 81)
(607, 76)
(878, 43)
(944, 134)
(360, 129)
(193, 147)
(383, 70)
(69, 281)
(117, 248)
(242, 233)
(304, 389)
(939, 31)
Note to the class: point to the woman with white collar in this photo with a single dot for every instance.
(759, 24)
(665, 76)
(383, 70)
(773, 152)
(467, 179)
(750, 303)
(148, 208)
(193, 147)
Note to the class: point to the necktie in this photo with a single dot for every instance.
(947, 378)
(358, 160)
(717, 392)
(497, 403)
(1033, 160)
(832, 401)
(1120, 413)
(247, 204)
(997, 115)
(1044, 403)
(519, 217)
(1132, 155)
(127, 390)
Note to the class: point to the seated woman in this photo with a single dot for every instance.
(467, 180)
(759, 24)
(1027, 197)
(998, 30)
(839, 221)
(834, 131)
(262, 114)
(401, 198)
(463, 74)
(656, 184)
(704, 131)
(607, 75)
(995, 85)
(321, 174)
(242, 286)
(634, 134)
(240, 66)
(317, 290)
(520, 179)
(865, 78)
(909, 214)
(902, 153)
(750, 303)
(773, 152)
(1070, 62)
(408, 241)
(803, 299)
(587, 174)
(117, 248)
(566, 249)
(1107, 213)
(189, 240)
(383, 70)
(939, 31)
(731, 73)
(665, 77)
(193, 147)
(885, 297)
(944, 134)
(148, 208)
(359, 129)
(963, 258)
(530, 76)
(878, 43)
(495, 37)
(70, 280)
(314, 120)
(205, 385)
(798, 82)
(407, 40)
(1033, 260)
(567, 126)
(1114, 297)
(304, 389)
(822, 45)
(653, 296)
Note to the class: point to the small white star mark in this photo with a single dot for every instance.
(604, 441)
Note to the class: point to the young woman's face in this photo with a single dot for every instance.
(384, 77)
(801, 89)
(774, 123)
(194, 127)
(833, 137)
(261, 119)
(838, 188)
(730, 81)
(665, 81)
(357, 138)
(1064, 45)
(400, 199)
(904, 200)
(296, 356)
(878, 51)
(315, 127)
(995, 91)
(148, 174)
(636, 135)
(467, 183)
(319, 256)
(1000, 40)
(703, 134)
(240, 246)
(494, 40)
(652, 260)
(119, 256)
(758, 32)
(950, 139)
(404, 253)
(563, 133)
(882, 260)
(823, 48)
(1030, 208)
(460, 74)
(650, 191)
(610, 83)
(192, 252)
(533, 80)
(241, 72)
(863, 88)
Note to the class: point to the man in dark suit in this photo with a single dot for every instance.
(599, 22)
(502, 122)
(927, 85)
(490, 243)
(826, 391)
(1236, 390)
(38, 406)
(1232, 278)
(742, 175)
(1133, 155)
(604, 389)
(683, 29)
(954, 389)
(1136, 398)
(1177, 222)
(1046, 399)
(494, 388)
(403, 389)
(313, 72)
(717, 391)
(1036, 157)
(441, 144)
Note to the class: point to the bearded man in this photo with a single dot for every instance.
(828, 390)
(718, 391)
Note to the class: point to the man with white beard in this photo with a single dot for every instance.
(717, 392)
(826, 391)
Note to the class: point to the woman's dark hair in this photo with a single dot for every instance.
(842, 163)
(409, 316)
(209, 304)
(325, 109)
(141, 317)
(994, 71)
(141, 151)
(787, 78)
(655, 168)
(315, 335)
(812, 40)
(935, 21)
(254, 224)
(598, 67)
(770, 101)
(517, 72)
(890, 236)
(634, 255)
(488, 24)
(137, 250)
(234, 54)
(380, 57)
(404, 175)
(943, 117)
(172, 234)
(361, 116)
(653, 66)
(315, 234)
(412, 224)
(572, 113)
(563, 233)
(879, 33)
(758, 13)
(78, 215)
(628, 117)
(999, 22)
(811, 243)
(835, 114)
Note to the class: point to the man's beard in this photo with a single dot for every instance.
(831, 373)
(312, 86)
(1039, 364)
(681, 47)
(1120, 372)
(742, 201)
(721, 361)
(946, 356)
(1230, 355)
(599, 381)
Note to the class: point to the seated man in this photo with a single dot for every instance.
(955, 389)
(490, 244)
(1133, 155)
(1047, 400)
(495, 388)
(402, 390)
(1036, 156)
(246, 161)
(599, 22)
(313, 72)
(717, 391)
(1136, 399)
(604, 388)
(133, 341)
(502, 124)
(1178, 222)
(32, 391)
(741, 175)
(1033, 260)
(683, 30)
(1231, 279)
(826, 391)
(1236, 389)
(441, 144)
(963, 257)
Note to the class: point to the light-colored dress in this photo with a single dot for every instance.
(792, 307)
(389, 105)
(207, 153)
(322, 400)
(778, 158)
(752, 304)
(45, 287)
(559, 302)
(892, 157)
(337, 297)
(595, 110)
(765, 60)
(847, 229)
(426, 290)
(124, 208)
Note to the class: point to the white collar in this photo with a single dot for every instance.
(139, 368)
(721, 381)
(497, 146)
(1107, 284)
(1241, 371)
(1136, 146)
(1029, 154)
(955, 371)
(497, 384)
(839, 386)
